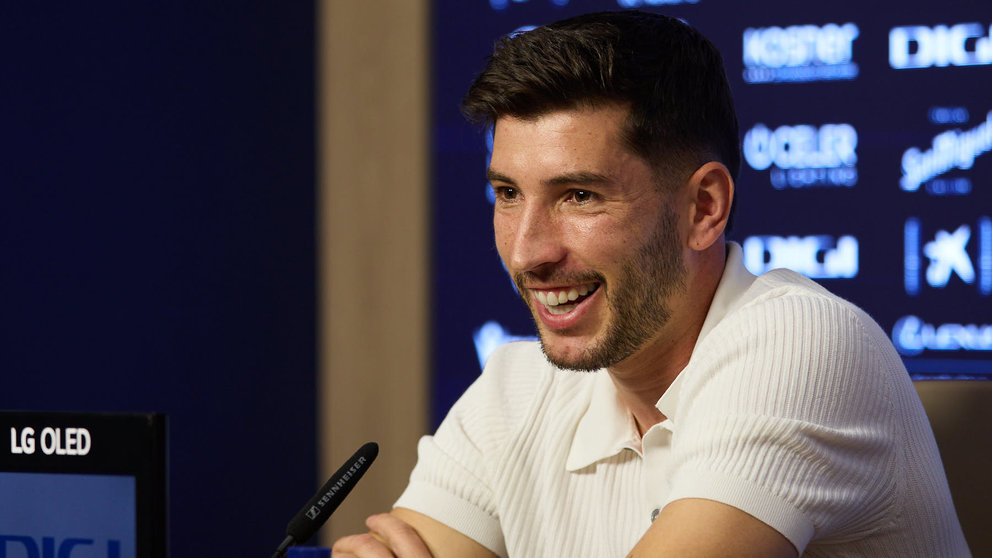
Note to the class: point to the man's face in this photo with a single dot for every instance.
(590, 238)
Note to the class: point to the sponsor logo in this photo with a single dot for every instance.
(802, 155)
(954, 149)
(639, 3)
(53, 441)
(51, 547)
(800, 53)
(911, 336)
(490, 336)
(500, 5)
(948, 115)
(816, 257)
(964, 44)
(946, 256)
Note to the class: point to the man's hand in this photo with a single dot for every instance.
(388, 536)
(405, 533)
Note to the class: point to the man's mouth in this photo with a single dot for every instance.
(563, 301)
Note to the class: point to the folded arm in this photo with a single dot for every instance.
(405, 533)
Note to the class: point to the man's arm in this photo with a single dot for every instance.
(698, 528)
(408, 534)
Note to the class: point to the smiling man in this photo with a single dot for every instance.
(675, 405)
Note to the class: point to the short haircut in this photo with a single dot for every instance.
(671, 77)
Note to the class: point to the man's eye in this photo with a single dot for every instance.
(582, 196)
(505, 193)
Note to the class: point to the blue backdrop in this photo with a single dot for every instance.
(866, 132)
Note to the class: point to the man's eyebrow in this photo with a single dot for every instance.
(494, 176)
(579, 178)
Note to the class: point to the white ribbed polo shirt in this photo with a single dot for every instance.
(794, 408)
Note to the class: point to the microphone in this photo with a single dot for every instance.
(306, 522)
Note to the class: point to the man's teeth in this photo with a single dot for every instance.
(554, 298)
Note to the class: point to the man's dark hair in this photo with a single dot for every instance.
(671, 77)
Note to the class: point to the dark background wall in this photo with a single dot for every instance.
(157, 242)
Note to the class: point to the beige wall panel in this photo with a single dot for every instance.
(373, 244)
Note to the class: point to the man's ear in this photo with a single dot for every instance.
(711, 191)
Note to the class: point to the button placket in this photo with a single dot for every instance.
(656, 448)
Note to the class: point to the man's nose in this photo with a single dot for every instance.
(537, 241)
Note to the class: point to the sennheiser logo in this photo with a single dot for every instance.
(341, 483)
(964, 44)
(802, 155)
(953, 149)
(800, 53)
(944, 256)
(817, 257)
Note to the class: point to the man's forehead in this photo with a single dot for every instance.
(614, 112)
(573, 141)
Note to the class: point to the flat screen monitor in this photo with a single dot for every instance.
(82, 485)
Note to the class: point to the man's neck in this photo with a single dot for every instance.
(645, 376)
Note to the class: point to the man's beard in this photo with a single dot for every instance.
(637, 301)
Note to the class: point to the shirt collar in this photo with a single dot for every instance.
(607, 427)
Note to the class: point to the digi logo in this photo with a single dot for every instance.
(800, 53)
(803, 156)
(816, 257)
(964, 44)
(946, 255)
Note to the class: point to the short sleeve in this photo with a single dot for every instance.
(786, 414)
(457, 472)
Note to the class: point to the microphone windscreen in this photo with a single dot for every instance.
(329, 497)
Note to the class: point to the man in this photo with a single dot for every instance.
(729, 415)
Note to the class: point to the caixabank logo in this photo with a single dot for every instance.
(957, 256)
(804, 155)
(800, 53)
(943, 257)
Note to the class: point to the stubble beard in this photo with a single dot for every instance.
(637, 301)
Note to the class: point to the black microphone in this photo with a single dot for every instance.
(328, 498)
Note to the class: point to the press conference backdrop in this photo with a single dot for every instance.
(866, 129)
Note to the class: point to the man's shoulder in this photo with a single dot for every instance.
(782, 308)
(785, 282)
(788, 289)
